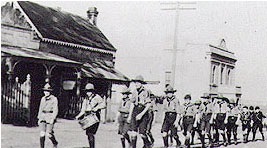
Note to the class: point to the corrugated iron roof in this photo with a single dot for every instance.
(65, 27)
(35, 54)
(98, 69)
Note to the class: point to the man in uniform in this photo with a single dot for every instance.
(151, 117)
(220, 109)
(189, 113)
(232, 117)
(172, 111)
(123, 113)
(196, 127)
(246, 121)
(47, 114)
(257, 122)
(206, 119)
(138, 116)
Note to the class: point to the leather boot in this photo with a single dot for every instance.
(42, 142)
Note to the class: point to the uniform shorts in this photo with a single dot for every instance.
(205, 122)
(257, 125)
(139, 125)
(246, 125)
(231, 127)
(168, 123)
(46, 127)
(93, 129)
(188, 122)
(124, 126)
(219, 122)
(232, 119)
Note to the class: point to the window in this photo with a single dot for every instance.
(167, 77)
(228, 77)
(221, 80)
(213, 74)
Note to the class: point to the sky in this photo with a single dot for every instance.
(143, 33)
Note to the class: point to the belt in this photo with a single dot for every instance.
(44, 111)
(124, 112)
(170, 113)
(232, 117)
(188, 117)
(140, 105)
(207, 113)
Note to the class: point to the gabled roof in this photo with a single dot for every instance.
(64, 27)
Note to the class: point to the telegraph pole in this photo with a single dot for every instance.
(178, 6)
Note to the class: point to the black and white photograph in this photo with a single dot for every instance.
(133, 74)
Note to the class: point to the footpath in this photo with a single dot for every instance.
(70, 135)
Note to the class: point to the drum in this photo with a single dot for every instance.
(88, 121)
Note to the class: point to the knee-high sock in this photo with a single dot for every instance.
(187, 141)
(165, 141)
(262, 135)
(171, 140)
(146, 141)
(53, 139)
(123, 142)
(254, 134)
(42, 142)
(235, 136)
(151, 137)
(229, 137)
(193, 136)
(91, 139)
(178, 142)
(224, 137)
(210, 139)
(127, 137)
(202, 139)
(133, 141)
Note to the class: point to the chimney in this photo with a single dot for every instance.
(92, 15)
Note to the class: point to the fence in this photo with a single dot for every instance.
(15, 107)
(74, 106)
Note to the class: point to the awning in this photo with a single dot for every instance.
(101, 70)
(36, 55)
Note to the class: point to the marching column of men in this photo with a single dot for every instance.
(212, 117)
(136, 114)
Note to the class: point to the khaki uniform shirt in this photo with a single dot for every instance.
(124, 106)
(48, 109)
(172, 105)
(205, 109)
(233, 112)
(189, 109)
(141, 96)
(221, 108)
(91, 102)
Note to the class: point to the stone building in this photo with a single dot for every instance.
(207, 69)
(41, 44)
